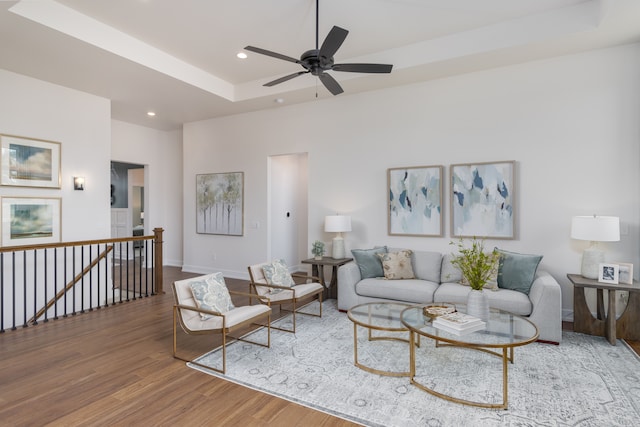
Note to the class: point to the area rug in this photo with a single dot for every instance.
(582, 382)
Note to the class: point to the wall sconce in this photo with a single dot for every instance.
(78, 183)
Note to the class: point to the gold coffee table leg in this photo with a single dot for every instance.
(505, 366)
(372, 338)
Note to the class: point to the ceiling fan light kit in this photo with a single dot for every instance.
(320, 60)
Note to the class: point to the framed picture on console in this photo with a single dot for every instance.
(29, 162)
(608, 273)
(482, 197)
(30, 221)
(220, 203)
(414, 196)
(625, 272)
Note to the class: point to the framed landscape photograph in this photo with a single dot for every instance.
(29, 162)
(30, 221)
(415, 201)
(483, 200)
(220, 203)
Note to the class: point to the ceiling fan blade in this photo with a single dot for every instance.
(284, 79)
(363, 68)
(333, 41)
(330, 83)
(272, 54)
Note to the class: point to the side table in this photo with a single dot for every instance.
(332, 290)
(627, 326)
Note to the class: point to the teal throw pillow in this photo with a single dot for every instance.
(277, 273)
(368, 261)
(212, 294)
(517, 271)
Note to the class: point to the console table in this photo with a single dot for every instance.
(605, 324)
(332, 290)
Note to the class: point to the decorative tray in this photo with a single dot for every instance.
(438, 309)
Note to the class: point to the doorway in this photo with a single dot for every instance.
(127, 199)
(288, 207)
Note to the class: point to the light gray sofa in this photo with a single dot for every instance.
(437, 280)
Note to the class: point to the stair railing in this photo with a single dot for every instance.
(42, 282)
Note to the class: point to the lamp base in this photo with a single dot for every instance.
(591, 260)
(337, 248)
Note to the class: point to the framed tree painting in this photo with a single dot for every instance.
(220, 203)
(482, 200)
(29, 162)
(30, 221)
(415, 201)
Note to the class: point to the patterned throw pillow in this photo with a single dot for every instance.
(397, 265)
(212, 294)
(278, 274)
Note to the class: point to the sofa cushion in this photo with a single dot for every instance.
(368, 262)
(449, 273)
(397, 265)
(426, 265)
(517, 271)
(503, 299)
(408, 290)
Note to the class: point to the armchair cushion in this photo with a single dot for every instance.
(277, 273)
(211, 293)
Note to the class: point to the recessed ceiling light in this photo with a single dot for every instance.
(242, 55)
(150, 113)
(278, 100)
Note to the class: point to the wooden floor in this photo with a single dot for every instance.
(114, 367)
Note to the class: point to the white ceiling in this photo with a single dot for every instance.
(178, 57)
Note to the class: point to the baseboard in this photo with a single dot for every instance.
(208, 270)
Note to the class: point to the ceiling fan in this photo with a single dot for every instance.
(320, 60)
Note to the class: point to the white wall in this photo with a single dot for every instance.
(161, 153)
(571, 123)
(82, 124)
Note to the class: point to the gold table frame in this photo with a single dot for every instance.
(487, 341)
(383, 313)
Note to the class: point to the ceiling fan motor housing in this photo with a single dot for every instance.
(312, 61)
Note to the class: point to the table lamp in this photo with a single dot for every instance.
(595, 229)
(337, 224)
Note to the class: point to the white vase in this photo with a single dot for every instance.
(478, 304)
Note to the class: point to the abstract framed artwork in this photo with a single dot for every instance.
(30, 221)
(415, 201)
(28, 162)
(220, 203)
(482, 200)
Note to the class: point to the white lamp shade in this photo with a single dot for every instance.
(337, 223)
(596, 228)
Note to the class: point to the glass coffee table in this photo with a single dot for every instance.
(504, 331)
(379, 316)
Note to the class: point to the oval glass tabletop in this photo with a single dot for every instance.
(379, 315)
(503, 329)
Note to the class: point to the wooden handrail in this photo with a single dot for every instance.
(77, 243)
(71, 284)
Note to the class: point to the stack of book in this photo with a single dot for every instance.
(459, 323)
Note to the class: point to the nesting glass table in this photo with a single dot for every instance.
(504, 331)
